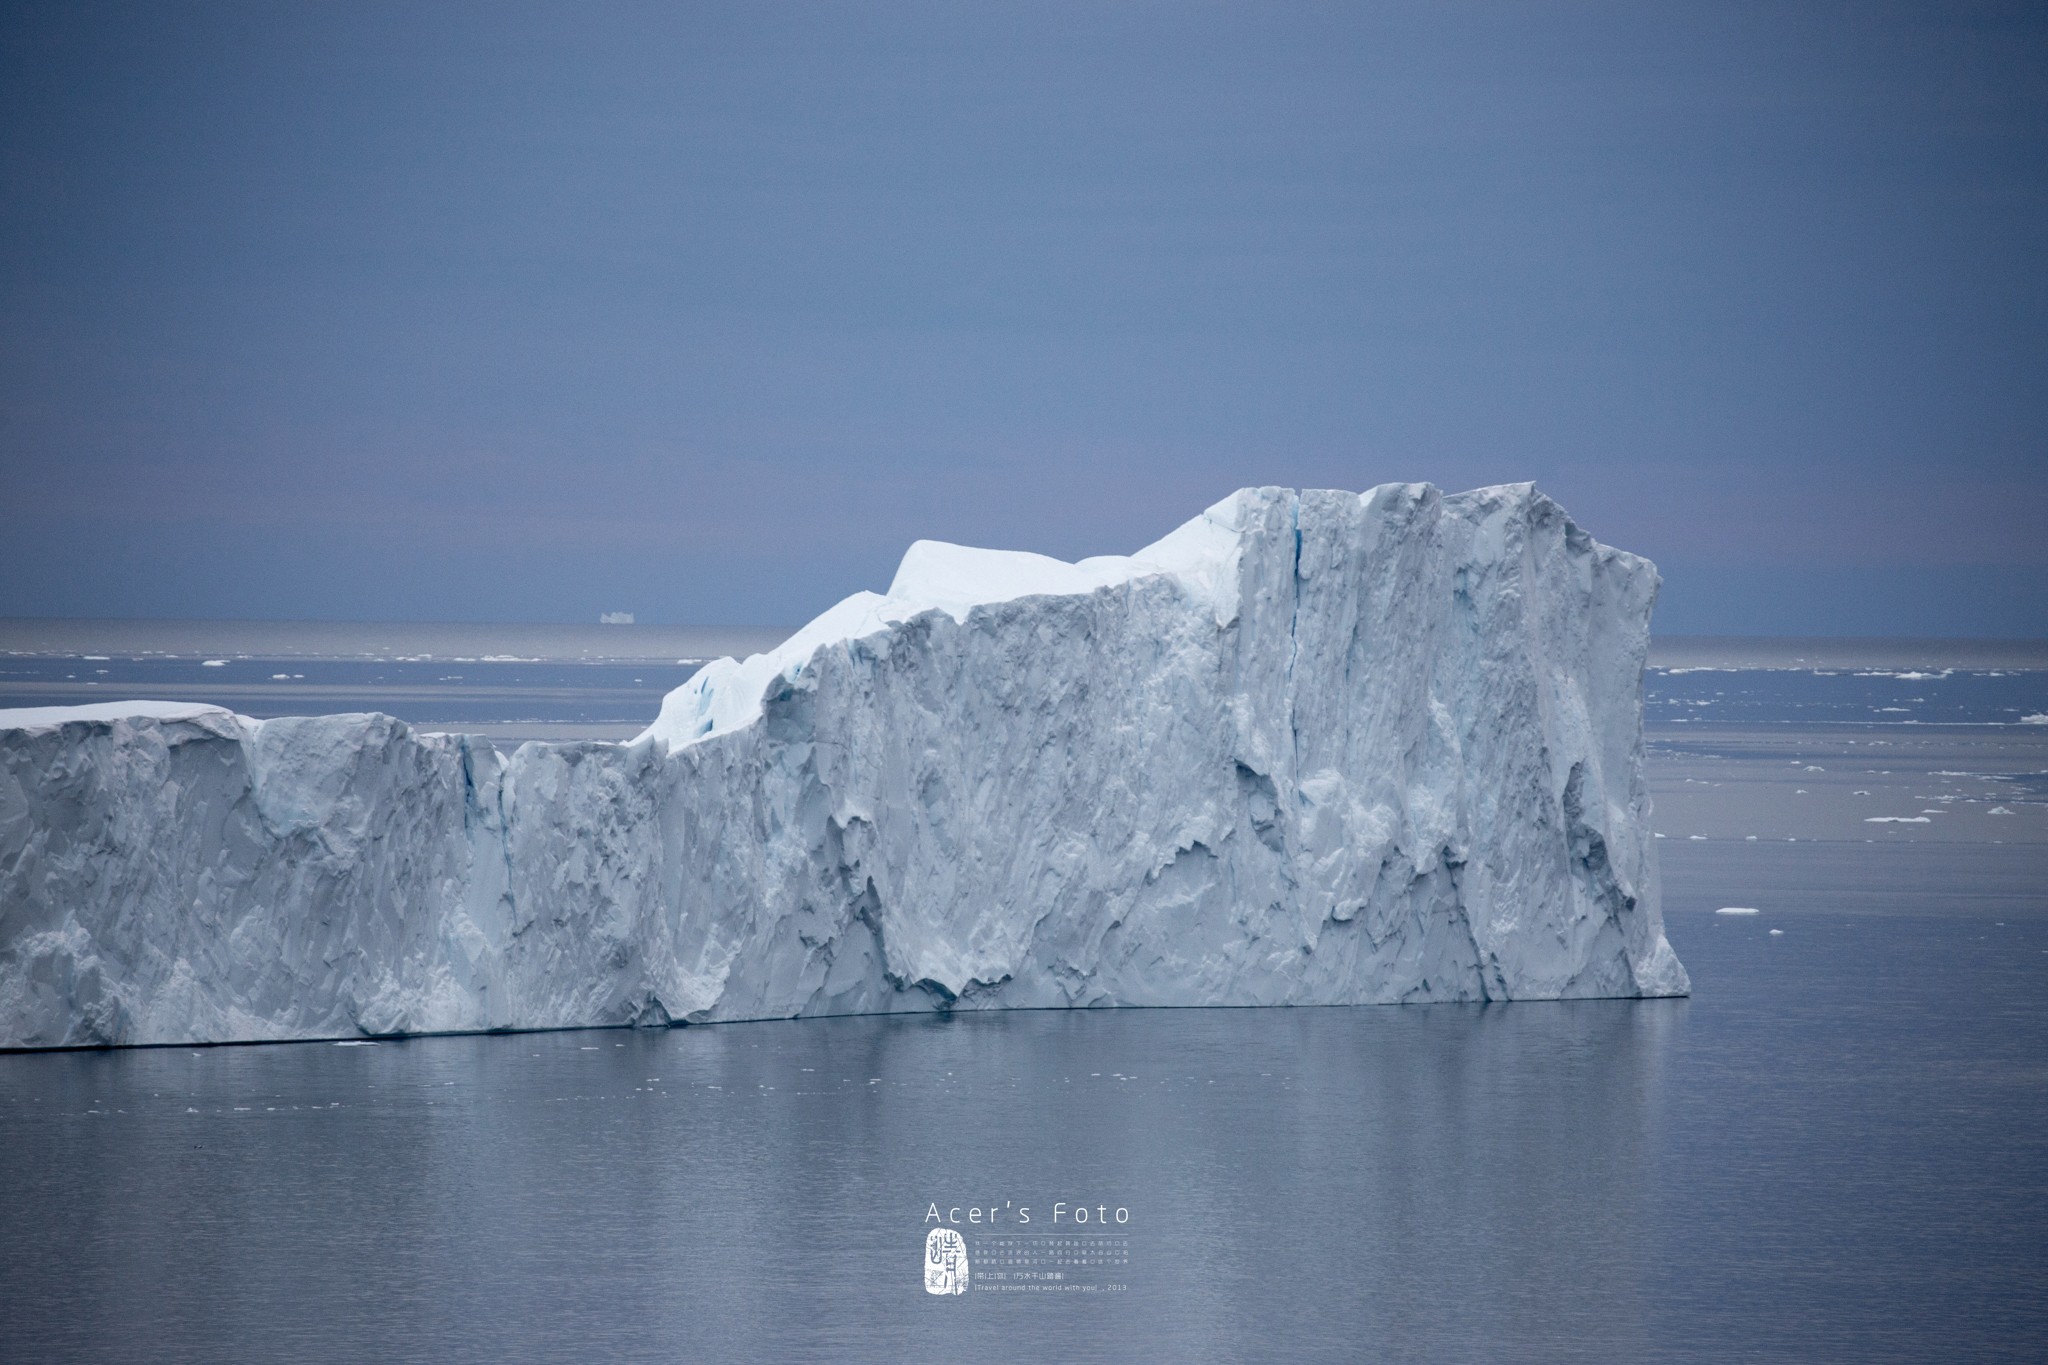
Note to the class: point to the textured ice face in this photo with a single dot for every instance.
(1314, 748)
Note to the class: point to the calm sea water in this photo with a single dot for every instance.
(1810, 697)
(1838, 1148)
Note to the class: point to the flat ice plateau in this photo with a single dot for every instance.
(1311, 748)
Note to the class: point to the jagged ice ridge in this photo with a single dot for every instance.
(1311, 748)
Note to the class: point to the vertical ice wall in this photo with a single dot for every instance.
(1312, 748)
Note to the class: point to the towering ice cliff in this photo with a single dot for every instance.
(1315, 748)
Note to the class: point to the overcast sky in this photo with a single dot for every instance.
(704, 312)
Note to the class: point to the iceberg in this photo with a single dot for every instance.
(1312, 748)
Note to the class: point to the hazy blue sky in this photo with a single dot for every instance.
(506, 312)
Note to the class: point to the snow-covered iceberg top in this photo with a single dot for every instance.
(50, 717)
(1311, 748)
(937, 576)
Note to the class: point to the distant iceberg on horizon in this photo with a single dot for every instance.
(1312, 748)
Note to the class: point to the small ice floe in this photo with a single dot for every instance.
(1998, 810)
(213, 663)
(1738, 910)
(1777, 933)
(1896, 820)
(280, 677)
(1697, 838)
(357, 1042)
(2038, 718)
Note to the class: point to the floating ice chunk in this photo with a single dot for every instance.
(2038, 718)
(1998, 810)
(1738, 910)
(1896, 820)
(356, 1042)
(213, 663)
(1777, 933)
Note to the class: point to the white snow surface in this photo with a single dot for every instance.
(1311, 748)
(47, 717)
